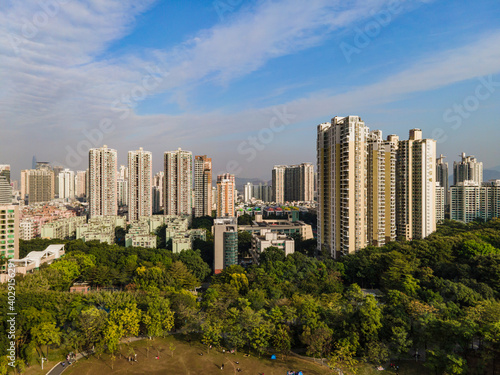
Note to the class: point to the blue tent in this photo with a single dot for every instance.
(273, 357)
(300, 373)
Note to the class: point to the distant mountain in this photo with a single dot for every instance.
(491, 174)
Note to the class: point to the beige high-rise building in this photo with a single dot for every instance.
(102, 189)
(226, 194)
(278, 181)
(140, 174)
(440, 202)
(381, 189)
(202, 186)
(342, 176)
(292, 183)
(38, 184)
(9, 231)
(5, 171)
(178, 183)
(468, 169)
(416, 187)
(5, 191)
(81, 184)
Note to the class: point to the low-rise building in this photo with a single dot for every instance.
(266, 239)
(287, 227)
(34, 260)
(63, 228)
(100, 228)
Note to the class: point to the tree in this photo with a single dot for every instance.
(172, 348)
(211, 333)
(111, 338)
(343, 357)
(158, 317)
(46, 333)
(282, 340)
(318, 339)
(91, 324)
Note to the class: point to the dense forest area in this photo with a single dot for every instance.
(438, 297)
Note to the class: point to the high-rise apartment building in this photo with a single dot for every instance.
(140, 174)
(178, 182)
(381, 188)
(442, 176)
(471, 201)
(440, 202)
(468, 169)
(81, 184)
(416, 187)
(342, 176)
(248, 192)
(226, 195)
(9, 231)
(157, 197)
(38, 184)
(66, 184)
(293, 183)
(202, 186)
(102, 187)
(5, 191)
(57, 169)
(225, 231)
(5, 171)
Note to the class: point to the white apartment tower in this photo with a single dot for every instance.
(140, 174)
(102, 189)
(202, 186)
(381, 189)
(342, 170)
(178, 182)
(468, 169)
(416, 187)
(226, 194)
(66, 184)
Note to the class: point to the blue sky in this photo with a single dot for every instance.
(211, 76)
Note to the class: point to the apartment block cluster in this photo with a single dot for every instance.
(373, 190)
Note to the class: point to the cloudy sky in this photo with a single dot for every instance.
(245, 82)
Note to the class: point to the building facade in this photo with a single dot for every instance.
(226, 195)
(178, 184)
(416, 187)
(342, 191)
(103, 197)
(468, 169)
(9, 231)
(202, 186)
(140, 174)
(66, 184)
(38, 184)
(293, 183)
(442, 176)
(381, 189)
(225, 232)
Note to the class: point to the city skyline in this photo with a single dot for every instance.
(72, 70)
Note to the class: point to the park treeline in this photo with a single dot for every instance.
(438, 296)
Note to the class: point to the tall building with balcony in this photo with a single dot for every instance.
(225, 231)
(178, 184)
(38, 184)
(66, 184)
(468, 169)
(102, 187)
(416, 187)
(381, 188)
(81, 184)
(442, 175)
(5, 191)
(140, 174)
(202, 186)
(9, 231)
(157, 197)
(5, 171)
(293, 183)
(342, 190)
(471, 201)
(226, 195)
